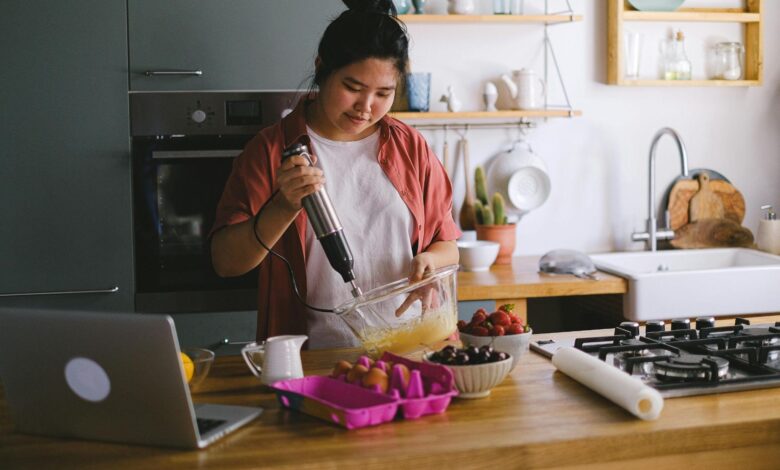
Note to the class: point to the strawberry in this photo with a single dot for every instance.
(478, 331)
(515, 329)
(479, 317)
(500, 318)
(507, 308)
(497, 330)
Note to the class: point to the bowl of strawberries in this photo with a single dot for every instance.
(502, 329)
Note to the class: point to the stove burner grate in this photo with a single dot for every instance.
(691, 367)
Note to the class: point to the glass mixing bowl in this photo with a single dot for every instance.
(404, 318)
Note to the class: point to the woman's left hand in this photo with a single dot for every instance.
(422, 263)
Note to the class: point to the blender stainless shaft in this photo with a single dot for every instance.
(326, 225)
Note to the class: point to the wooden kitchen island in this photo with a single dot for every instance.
(520, 281)
(536, 418)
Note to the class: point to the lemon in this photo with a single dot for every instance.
(189, 366)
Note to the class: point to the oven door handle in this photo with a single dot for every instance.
(152, 73)
(160, 154)
(110, 290)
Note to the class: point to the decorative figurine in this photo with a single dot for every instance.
(453, 103)
(490, 95)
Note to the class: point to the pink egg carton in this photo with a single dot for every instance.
(429, 391)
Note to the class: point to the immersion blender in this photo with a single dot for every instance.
(326, 225)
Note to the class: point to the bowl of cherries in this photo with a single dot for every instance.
(502, 329)
(476, 369)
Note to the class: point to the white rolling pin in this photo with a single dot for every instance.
(610, 382)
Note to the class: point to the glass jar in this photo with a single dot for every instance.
(676, 65)
(728, 59)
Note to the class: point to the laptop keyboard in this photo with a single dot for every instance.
(205, 425)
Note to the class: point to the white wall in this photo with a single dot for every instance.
(598, 162)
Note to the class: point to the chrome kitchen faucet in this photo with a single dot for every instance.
(653, 233)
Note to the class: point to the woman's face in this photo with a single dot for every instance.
(354, 98)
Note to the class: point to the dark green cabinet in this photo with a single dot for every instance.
(64, 155)
(236, 44)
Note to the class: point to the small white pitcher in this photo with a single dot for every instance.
(277, 358)
(526, 88)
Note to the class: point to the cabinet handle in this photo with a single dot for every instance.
(61, 292)
(150, 73)
(157, 154)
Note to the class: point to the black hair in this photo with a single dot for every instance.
(368, 29)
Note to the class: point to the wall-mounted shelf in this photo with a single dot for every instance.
(545, 19)
(619, 12)
(531, 113)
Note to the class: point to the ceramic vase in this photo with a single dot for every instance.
(504, 235)
(419, 6)
(402, 6)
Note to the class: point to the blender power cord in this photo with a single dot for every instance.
(287, 263)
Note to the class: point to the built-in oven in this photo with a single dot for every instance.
(183, 146)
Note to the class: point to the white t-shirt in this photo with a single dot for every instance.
(377, 224)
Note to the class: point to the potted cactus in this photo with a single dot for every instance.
(491, 219)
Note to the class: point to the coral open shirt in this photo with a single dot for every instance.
(406, 159)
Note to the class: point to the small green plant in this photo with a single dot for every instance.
(484, 212)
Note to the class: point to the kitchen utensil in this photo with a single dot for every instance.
(477, 380)
(277, 358)
(712, 233)
(477, 255)
(680, 192)
(326, 224)
(202, 359)
(568, 262)
(467, 218)
(611, 383)
(705, 204)
(445, 156)
(404, 317)
(526, 88)
(521, 177)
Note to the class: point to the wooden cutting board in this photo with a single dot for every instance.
(684, 190)
(712, 233)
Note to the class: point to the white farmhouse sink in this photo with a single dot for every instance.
(689, 283)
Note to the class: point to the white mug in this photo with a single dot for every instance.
(277, 358)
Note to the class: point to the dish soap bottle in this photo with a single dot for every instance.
(676, 64)
(768, 238)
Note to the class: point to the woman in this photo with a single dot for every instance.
(391, 193)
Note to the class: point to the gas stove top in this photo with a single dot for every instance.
(683, 360)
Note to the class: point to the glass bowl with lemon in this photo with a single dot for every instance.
(197, 364)
(405, 318)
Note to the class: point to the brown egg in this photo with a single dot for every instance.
(376, 376)
(341, 368)
(355, 374)
(405, 373)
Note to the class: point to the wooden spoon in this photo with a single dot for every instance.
(445, 157)
(467, 217)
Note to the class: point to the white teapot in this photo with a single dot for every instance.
(526, 88)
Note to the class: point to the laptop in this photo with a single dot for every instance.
(105, 376)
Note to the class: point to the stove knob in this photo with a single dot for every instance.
(705, 322)
(655, 326)
(198, 116)
(681, 324)
(632, 327)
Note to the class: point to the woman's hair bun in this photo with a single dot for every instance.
(373, 6)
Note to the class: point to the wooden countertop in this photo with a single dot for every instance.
(521, 279)
(536, 418)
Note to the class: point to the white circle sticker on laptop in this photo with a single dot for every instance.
(87, 379)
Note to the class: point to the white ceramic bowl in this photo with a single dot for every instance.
(514, 345)
(521, 177)
(477, 255)
(477, 380)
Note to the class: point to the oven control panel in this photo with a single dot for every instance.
(207, 113)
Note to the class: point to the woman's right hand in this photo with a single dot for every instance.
(297, 179)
